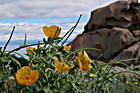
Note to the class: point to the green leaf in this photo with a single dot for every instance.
(16, 62)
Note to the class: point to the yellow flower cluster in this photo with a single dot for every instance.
(83, 61)
(62, 67)
(26, 76)
(52, 31)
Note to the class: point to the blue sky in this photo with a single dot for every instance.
(30, 15)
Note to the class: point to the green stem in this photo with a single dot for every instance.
(74, 52)
(68, 36)
(106, 71)
(65, 35)
(115, 74)
(23, 47)
(17, 54)
(72, 30)
(25, 39)
(132, 59)
(57, 31)
(9, 39)
(111, 63)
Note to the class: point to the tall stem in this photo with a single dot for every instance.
(72, 30)
(23, 47)
(9, 39)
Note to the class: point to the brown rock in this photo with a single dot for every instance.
(137, 33)
(138, 54)
(110, 41)
(130, 53)
(119, 14)
(99, 62)
(115, 29)
(118, 69)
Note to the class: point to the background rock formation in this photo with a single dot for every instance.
(115, 29)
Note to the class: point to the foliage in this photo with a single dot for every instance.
(53, 68)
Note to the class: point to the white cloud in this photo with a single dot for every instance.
(43, 9)
(48, 8)
(33, 31)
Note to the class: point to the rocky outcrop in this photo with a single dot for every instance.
(110, 41)
(137, 33)
(121, 14)
(131, 52)
(115, 30)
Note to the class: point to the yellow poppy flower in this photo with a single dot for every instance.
(83, 61)
(26, 76)
(52, 31)
(67, 47)
(61, 67)
(30, 50)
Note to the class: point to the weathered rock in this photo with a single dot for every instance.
(110, 41)
(130, 53)
(119, 14)
(99, 62)
(137, 33)
(115, 29)
(118, 69)
(138, 54)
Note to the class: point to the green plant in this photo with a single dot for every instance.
(74, 74)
